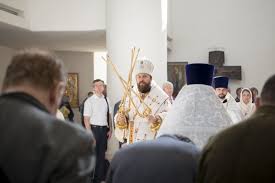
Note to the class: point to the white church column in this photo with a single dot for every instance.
(139, 23)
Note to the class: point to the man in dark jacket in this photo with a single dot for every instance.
(169, 158)
(66, 109)
(244, 152)
(35, 146)
(81, 108)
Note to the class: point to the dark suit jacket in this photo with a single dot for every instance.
(68, 106)
(37, 147)
(242, 153)
(163, 160)
(116, 107)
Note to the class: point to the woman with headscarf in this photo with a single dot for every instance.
(247, 107)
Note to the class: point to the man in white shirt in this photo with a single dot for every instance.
(96, 118)
(168, 88)
(229, 103)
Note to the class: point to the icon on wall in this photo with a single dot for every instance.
(71, 90)
(176, 75)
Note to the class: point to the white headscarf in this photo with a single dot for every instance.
(249, 108)
(197, 114)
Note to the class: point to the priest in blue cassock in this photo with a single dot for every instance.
(233, 109)
(173, 157)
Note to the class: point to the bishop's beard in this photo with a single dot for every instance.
(144, 87)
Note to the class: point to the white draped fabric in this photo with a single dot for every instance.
(233, 109)
(197, 114)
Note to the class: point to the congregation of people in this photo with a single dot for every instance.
(203, 135)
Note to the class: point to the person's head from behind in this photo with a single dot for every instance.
(199, 74)
(168, 88)
(37, 73)
(255, 93)
(183, 138)
(238, 92)
(98, 86)
(179, 137)
(90, 94)
(221, 86)
(267, 96)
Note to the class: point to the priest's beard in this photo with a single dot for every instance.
(144, 87)
(221, 96)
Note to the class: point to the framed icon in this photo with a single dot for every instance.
(72, 89)
(176, 75)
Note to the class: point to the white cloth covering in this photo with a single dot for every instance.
(197, 114)
(233, 108)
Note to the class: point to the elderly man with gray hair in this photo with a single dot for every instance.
(168, 88)
(35, 145)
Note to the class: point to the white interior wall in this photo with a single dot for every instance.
(67, 15)
(52, 15)
(100, 66)
(169, 18)
(244, 29)
(19, 6)
(81, 63)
